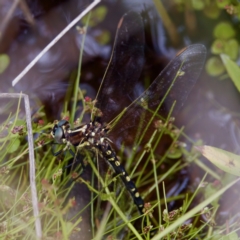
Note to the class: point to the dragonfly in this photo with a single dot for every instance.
(118, 98)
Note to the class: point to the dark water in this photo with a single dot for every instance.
(210, 113)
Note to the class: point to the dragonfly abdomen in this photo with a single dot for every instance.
(110, 156)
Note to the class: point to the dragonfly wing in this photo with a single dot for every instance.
(174, 83)
(124, 68)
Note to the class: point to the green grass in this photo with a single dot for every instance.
(17, 221)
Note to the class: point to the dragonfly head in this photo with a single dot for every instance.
(59, 130)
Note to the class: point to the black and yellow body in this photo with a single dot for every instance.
(94, 137)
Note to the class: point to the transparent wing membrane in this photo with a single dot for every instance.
(124, 69)
(174, 83)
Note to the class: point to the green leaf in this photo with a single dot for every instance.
(211, 10)
(13, 146)
(223, 3)
(103, 37)
(98, 15)
(232, 69)
(218, 46)
(198, 4)
(226, 161)
(224, 30)
(214, 66)
(231, 48)
(4, 62)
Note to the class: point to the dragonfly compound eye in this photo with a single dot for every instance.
(59, 129)
(58, 134)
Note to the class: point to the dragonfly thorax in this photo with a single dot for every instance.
(92, 134)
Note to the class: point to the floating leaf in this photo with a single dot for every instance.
(218, 46)
(224, 160)
(104, 37)
(224, 30)
(198, 4)
(231, 48)
(4, 62)
(211, 10)
(98, 15)
(232, 69)
(214, 66)
(223, 3)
